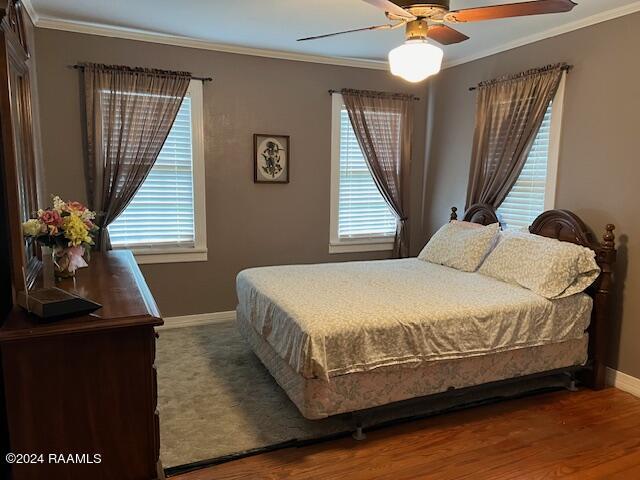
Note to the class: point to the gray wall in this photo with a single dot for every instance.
(599, 169)
(247, 224)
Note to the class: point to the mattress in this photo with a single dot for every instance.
(330, 320)
(317, 398)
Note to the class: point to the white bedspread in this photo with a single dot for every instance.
(332, 319)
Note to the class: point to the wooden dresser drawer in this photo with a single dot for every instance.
(87, 385)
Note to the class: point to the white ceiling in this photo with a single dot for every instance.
(275, 24)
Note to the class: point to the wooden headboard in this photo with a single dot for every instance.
(478, 213)
(568, 227)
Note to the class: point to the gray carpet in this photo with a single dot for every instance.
(216, 399)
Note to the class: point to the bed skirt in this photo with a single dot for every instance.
(316, 398)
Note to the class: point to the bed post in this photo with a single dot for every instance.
(454, 214)
(598, 339)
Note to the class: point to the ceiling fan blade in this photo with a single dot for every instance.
(538, 7)
(445, 35)
(375, 27)
(390, 7)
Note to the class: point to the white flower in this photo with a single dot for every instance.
(58, 204)
(88, 215)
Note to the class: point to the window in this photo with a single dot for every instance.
(165, 221)
(361, 220)
(534, 191)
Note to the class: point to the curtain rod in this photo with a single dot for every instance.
(77, 66)
(331, 92)
(564, 68)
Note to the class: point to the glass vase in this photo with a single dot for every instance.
(61, 263)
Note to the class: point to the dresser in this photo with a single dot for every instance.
(86, 385)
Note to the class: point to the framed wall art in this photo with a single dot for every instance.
(271, 158)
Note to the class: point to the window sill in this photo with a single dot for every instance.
(169, 255)
(371, 245)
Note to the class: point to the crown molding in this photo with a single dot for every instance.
(165, 39)
(175, 40)
(30, 10)
(553, 32)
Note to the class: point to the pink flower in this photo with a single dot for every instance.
(75, 207)
(51, 217)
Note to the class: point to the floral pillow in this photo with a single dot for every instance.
(463, 224)
(457, 245)
(548, 267)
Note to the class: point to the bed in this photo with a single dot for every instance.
(350, 336)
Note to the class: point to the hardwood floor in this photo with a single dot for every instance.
(584, 435)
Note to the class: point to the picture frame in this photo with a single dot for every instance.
(271, 158)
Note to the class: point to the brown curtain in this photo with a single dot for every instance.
(129, 114)
(383, 124)
(509, 113)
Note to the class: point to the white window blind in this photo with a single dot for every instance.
(362, 212)
(526, 200)
(162, 212)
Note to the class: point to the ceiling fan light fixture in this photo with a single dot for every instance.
(415, 60)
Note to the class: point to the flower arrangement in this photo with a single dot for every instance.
(68, 229)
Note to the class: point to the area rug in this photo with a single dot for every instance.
(217, 402)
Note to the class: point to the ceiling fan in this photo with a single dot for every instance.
(423, 20)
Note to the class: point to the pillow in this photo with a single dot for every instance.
(463, 224)
(548, 267)
(460, 246)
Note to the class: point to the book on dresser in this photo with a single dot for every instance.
(86, 385)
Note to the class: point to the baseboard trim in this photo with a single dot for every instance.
(623, 382)
(198, 319)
